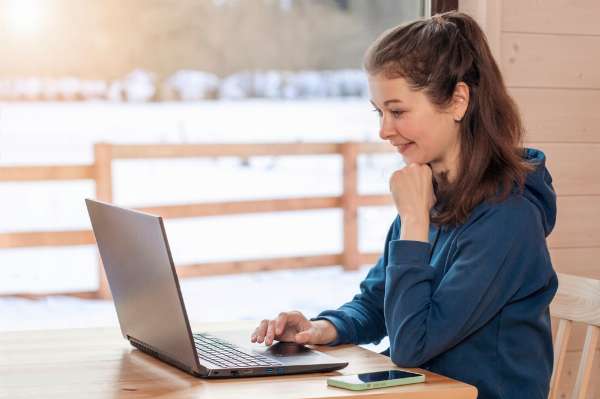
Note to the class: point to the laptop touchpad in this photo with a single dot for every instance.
(287, 349)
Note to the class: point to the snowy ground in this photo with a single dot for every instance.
(64, 133)
(224, 298)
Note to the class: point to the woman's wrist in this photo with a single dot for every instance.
(328, 331)
(415, 227)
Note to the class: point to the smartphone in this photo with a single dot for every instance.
(379, 379)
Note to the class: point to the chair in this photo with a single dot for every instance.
(577, 300)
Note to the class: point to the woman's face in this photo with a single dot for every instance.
(409, 121)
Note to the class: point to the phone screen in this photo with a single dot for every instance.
(378, 376)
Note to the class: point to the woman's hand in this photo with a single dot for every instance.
(294, 327)
(412, 190)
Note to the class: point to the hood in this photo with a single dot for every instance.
(539, 190)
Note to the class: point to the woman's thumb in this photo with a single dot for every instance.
(305, 336)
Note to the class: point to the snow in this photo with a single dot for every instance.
(191, 85)
(28, 88)
(236, 86)
(94, 89)
(269, 84)
(253, 296)
(139, 86)
(69, 88)
(64, 133)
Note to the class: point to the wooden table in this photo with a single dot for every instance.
(99, 363)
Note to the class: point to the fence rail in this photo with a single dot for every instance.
(101, 173)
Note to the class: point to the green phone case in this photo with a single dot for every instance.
(339, 383)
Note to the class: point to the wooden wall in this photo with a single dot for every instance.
(549, 54)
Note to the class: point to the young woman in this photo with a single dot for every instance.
(465, 280)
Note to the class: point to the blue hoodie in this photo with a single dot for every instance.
(472, 303)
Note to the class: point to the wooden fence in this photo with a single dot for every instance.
(101, 173)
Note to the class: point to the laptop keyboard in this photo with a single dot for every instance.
(225, 354)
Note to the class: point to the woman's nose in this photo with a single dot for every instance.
(386, 128)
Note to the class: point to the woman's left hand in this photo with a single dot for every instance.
(412, 191)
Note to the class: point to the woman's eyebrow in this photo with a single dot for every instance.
(387, 102)
(392, 101)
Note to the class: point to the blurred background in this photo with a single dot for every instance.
(74, 74)
(189, 50)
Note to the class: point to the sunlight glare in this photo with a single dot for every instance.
(24, 16)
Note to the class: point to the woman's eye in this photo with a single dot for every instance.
(395, 114)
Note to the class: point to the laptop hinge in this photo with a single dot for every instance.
(144, 347)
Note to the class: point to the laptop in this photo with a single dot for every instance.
(142, 278)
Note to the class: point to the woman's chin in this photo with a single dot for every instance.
(410, 159)
(411, 156)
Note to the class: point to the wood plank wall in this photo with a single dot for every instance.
(549, 54)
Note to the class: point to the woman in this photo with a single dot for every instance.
(465, 280)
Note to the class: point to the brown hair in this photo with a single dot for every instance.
(433, 55)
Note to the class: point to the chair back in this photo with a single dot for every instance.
(577, 300)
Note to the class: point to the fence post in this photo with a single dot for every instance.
(351, 255)
(103, 176)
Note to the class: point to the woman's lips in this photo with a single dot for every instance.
(403, 147)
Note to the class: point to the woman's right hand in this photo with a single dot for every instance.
(294, 327)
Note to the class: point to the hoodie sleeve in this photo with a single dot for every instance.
(487, 269)
(361, 321)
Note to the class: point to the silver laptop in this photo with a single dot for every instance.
(145, 289)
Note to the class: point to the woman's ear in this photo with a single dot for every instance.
(460, 101)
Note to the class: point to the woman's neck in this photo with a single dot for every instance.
(446, 169)
(443, 173)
